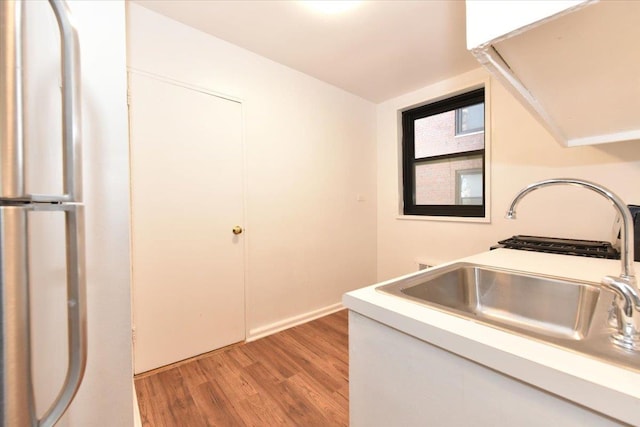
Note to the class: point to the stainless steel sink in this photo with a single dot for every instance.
(562, 312)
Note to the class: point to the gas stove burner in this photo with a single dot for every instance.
(588, 248)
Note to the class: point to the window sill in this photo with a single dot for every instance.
(462, 135)
(482, 220)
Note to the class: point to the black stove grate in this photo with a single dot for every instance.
(588, 248)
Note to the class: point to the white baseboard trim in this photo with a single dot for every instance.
(290, 322)
(137, 420)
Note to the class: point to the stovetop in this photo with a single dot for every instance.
(588, 248)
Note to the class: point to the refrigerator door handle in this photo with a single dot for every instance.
(71, 111)
(76, 311)
(74, 216)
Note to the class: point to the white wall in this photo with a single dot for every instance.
(309, 153)
(522, 152)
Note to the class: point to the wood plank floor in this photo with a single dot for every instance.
(298, 377)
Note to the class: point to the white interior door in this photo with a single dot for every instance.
(187, 196)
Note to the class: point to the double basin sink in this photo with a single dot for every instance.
(562, 312)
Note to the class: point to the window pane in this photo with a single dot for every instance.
(436, 135)
(470, 119)
(469, 186)
(452, 181)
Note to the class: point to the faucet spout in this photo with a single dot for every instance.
(626, 235)
(626, 307)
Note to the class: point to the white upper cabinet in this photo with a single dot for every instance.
(574, 64)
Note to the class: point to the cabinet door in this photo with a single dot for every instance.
(187, 197)
(575, 71)
(489, 19)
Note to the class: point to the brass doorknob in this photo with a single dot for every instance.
(237, 229)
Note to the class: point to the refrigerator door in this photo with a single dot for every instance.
(40, 158)
(42, 290)
(16, 404)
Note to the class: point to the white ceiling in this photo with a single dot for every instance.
(377, 50)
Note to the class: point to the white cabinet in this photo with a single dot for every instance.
(488, 20)
(574, 64)
(396, 379)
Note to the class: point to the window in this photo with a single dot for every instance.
(443, 151)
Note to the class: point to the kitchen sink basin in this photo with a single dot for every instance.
(563, 312)
(545, 305)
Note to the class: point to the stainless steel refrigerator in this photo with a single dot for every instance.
(24, 211)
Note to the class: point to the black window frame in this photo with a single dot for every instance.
(409, 161)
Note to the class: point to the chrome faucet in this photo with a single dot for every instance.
(625, 313)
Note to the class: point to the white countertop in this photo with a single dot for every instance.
(606, 388)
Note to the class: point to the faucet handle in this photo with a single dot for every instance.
(624, 313)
